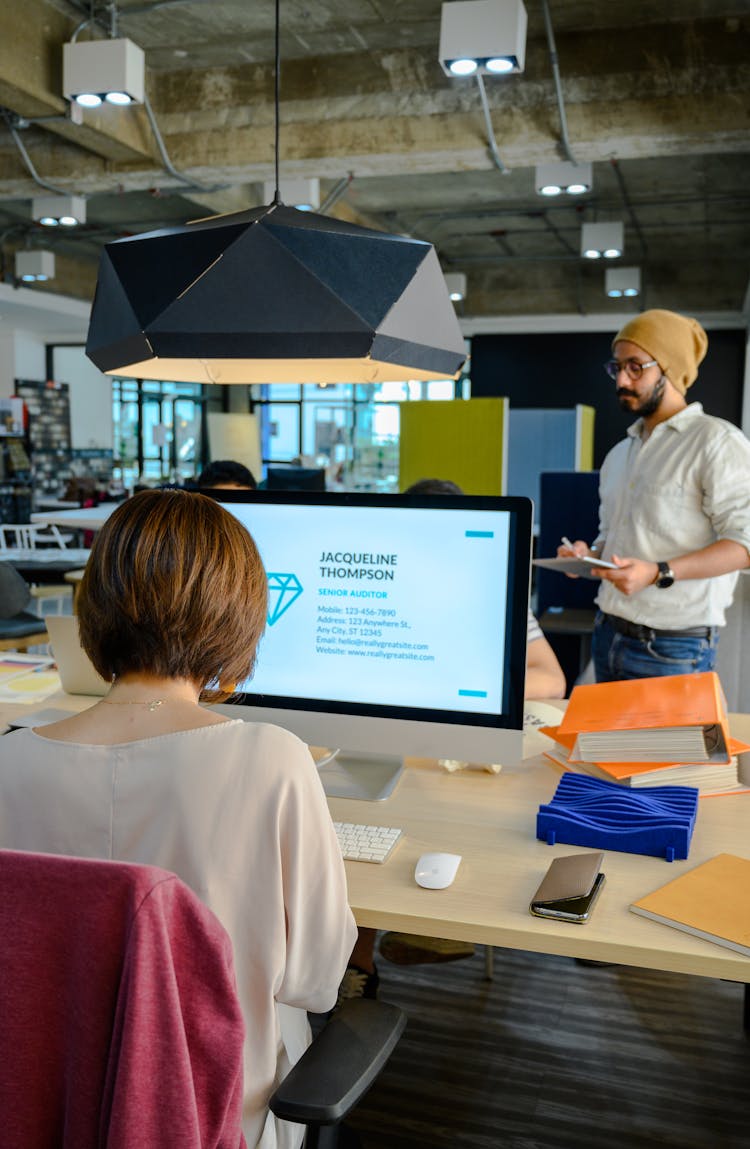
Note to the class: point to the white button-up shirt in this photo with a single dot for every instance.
(685, 487)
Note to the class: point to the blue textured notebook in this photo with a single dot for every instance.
(586, 811)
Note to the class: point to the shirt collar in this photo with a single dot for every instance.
(679, 422)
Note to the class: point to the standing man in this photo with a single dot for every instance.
(674, 510)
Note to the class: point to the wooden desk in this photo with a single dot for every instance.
(490, 820)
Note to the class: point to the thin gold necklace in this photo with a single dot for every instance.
(152, 704)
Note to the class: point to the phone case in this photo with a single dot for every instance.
(570, 877)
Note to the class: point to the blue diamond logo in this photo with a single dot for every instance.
(283, 590)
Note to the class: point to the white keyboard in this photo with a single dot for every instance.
(366, 843)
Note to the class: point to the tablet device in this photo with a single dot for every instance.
(572, 564)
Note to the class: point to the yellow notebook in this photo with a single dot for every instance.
(711, 901)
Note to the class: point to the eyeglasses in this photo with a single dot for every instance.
(632, 367)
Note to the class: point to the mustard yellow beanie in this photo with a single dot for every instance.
(676, 342)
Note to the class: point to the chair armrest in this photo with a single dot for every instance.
(341, 1064)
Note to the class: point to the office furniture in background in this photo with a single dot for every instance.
(568, 505)
(462, 440)
(291, 478)
(547, 439)
(235, 435)
(19, 628)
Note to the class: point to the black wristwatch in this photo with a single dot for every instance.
(665, 576)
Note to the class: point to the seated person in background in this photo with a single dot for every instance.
(227, 475)
(544, 679)
(148, 775)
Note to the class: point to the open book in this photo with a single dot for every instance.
(711, 901)
(677, 718)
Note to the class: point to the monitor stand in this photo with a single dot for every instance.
(369, 777)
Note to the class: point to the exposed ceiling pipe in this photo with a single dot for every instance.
(335, 193)
(490, 131)
(564, 142)
(31, 169)
(167, 163)
(629, 205)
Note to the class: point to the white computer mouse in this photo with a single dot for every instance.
(436, 871)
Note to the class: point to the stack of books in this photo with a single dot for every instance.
(652, 732)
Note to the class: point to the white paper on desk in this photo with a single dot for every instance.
(30, 688)
(570, 564)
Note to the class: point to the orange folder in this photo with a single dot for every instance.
(680, 700)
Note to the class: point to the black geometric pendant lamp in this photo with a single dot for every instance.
(273, 295)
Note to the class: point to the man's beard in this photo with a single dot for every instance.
(648, 405)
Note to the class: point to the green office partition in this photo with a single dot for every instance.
(461, 439)
(584, 437)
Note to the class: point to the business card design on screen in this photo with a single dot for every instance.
(283, 590)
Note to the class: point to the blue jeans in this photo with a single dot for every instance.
(617, 656)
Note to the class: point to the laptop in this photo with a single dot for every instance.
(77, 673)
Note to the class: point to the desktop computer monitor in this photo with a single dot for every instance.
(295, 478)
(396, 623)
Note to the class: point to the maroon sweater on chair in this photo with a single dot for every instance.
(119, 1021)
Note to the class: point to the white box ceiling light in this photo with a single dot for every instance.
(555, 178)
(456, 284)
(482, 36)
(622, 282)
(33, 266)
(59, 210)
(96, 70)
(602, 240)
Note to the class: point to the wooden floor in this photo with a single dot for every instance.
(553, 1055)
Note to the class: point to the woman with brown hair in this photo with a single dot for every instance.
(171, 609)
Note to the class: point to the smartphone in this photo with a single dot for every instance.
(569, 888)
(570, 909)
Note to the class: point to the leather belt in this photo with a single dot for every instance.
(646, 633)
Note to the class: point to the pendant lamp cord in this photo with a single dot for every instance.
(276, 99)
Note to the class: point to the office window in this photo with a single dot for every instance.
(351, 429)
(159, 429)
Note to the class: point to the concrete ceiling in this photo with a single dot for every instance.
(656, 96)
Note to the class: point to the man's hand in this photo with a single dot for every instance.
(632, 576)
(577, 550)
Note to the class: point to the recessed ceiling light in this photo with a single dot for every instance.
(463, 67)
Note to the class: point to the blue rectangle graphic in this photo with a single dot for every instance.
(472, 693)
(479, 534)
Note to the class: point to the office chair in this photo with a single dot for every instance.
(120, 1023)
(19, 628)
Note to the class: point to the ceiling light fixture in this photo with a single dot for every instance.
(602, 240)
(563, 176)
(35, 266)
(273, 295)
(456, 284)
(59, 210)
(622, 282)
(482, 36)
(103, 70)
(302, 194)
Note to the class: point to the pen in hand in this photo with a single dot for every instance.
(566, 542)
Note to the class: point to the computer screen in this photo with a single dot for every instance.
(396, 623)
(295, 478)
